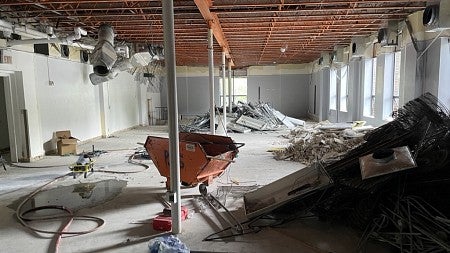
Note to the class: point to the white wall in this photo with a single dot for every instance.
(284, 86)
(317, 87)
(123, 103)
(288, 93)
(71, 102)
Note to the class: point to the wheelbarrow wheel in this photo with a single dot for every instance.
(85, 174)
(74, 175)
(202, 189)
(187, 185)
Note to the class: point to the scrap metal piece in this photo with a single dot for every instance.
(231, 219)
(285, 120)
(373, 166)
(252, 123)
(238, 128)
(297, 122)
(277, 193)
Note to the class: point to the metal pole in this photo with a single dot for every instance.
(224, 91)
(174, 153)
(212, 114)
(230, 90)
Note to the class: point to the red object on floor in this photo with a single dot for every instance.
(164, 222)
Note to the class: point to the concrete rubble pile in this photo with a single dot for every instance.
(320, 142)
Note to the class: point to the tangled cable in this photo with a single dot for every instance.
(70, 217)
(24, 216)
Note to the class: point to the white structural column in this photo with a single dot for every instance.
(174, 153)
(224, 92)
(230, 90)
(212, 114)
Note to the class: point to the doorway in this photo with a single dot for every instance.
(4, 133)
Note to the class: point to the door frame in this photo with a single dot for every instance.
(13, 115)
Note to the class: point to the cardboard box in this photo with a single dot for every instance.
(66, 143)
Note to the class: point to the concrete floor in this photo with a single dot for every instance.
(128, 215)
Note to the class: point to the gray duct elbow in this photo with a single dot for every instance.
(104, 55)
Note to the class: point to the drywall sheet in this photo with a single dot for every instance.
(286, 93)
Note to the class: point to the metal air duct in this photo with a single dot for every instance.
(104, 55)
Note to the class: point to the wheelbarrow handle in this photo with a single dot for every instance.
(238, 145)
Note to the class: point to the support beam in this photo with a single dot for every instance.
(224, 92)
(174, 142)
(212, 113)
(214, 23)
(230, 90)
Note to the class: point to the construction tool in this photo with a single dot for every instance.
(83, 165)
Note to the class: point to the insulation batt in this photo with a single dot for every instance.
(309, 143)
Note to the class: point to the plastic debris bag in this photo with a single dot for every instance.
(167, 244)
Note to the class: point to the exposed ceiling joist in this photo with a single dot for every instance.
(214, 24)
(251, 32)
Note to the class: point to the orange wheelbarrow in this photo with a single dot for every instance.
(202, 156)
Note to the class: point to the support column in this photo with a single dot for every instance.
(224, 92)
(174, 153)
(230, 90)
(212, 114)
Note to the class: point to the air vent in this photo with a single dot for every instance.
(65, 52)
(84, 56)
(436, 18)
(357, 47)
(338, 55)
(41, 49)
(324, 60)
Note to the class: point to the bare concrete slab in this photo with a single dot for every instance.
(128, 216)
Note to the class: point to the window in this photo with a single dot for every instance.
(396, 88)
(333, 91)
(370, 80)
(239, 85)
(373, 87)
(343, 89)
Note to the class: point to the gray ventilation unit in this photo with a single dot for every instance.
(357, 47)
(338, 55)
(389, 36)
(436, 17)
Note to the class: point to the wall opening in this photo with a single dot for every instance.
(239, 91)
(4, 133)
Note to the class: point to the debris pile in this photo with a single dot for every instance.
(319, 142)
(407, 207)
(198, 124)
(246, 117)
